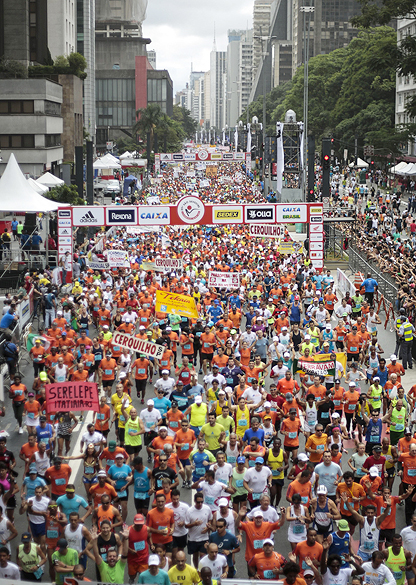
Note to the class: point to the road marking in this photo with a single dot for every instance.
(76, 450)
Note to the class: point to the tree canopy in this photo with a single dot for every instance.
(351, 93)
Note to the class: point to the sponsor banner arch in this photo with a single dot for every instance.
(191, 210)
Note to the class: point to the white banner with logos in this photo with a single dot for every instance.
(118, 259)
(223, 279)
(140, 345)
(169, 264)
(344, 284)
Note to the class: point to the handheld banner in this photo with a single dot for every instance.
(140, 345)
(68, 396)
(223, 279)
(175, 304)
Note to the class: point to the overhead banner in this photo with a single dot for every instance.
(140, 345)
(266, 230)
(176, 304)
(169, 264)
(223, 279)
(72, 396)
(118, 259)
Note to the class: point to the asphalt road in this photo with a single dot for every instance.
(15, 441)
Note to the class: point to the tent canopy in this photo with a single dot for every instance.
(49, 180)
(397, 168)
(16, 194)
(37, 186)
(108, 161)
(361, 164)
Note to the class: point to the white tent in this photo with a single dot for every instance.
(126, 154)
(16, 194)
(41, 189)
(411, 170)
(49, 180)
(361, 164)
(397, 168)
(108, 161)
(404, 170)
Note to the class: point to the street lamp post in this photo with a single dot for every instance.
(307, 10)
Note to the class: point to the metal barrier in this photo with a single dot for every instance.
(386, 285)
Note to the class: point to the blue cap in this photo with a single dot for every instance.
(241, 459)
(259, 460)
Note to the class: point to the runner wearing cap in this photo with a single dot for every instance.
(267, 563)
(256, 532)
(137, 561)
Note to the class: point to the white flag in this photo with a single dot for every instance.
(280, 162)
(248, 138)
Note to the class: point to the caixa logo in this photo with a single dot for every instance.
(122, 216)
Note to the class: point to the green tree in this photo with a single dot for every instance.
(183, 116)
(65, 194)
(147, 122)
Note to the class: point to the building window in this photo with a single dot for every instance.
(52, 108)
(52, 140)
(16, 106)
(17, 141)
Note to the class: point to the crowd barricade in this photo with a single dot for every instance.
(386, 286)
(344, 284)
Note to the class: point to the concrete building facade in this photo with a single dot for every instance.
(330, 27)
(31, 124)
(239, 73)
(218, 60)
(23, 31)
(86, 46)
(62, 27)
(405, 85)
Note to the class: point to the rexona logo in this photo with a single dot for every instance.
(260, 214)
(64, 213)
(88, 218)
(121, 216)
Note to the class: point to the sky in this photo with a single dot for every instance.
(182, 32)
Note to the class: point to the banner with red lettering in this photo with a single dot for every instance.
(71, 396)
(143, 346)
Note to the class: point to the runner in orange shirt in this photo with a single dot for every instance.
(37, 354)
(290, 429)
(256, 531)
(184, 441)
(102, 418)
(301, 486)
(308, 548)
(267, 564)
(107, 369)
(80, 374)
(208, 343)
(160, 522)
(140, 368)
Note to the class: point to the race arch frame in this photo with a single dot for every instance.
(191, 210)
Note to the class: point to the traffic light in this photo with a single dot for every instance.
(311, 196)
(326, 166)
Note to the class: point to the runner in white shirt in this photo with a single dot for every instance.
(376, 573)
(331, 571)
(8, 570)
(217, 563)
(256, 479)
(223, 471)
(197, 521)
(166, 384)
(211, 489)
(408, 535)
(150, 416)
(179, 513)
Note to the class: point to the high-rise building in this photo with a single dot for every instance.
(261, 28)
(405, 85)
(275, 65)
(207, 99)
(330, 27)
(62, 25)
(239, 71)
(218, 60)
(23, 31)
(86, 46)
(151, 57)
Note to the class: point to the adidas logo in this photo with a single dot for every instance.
(88, 218)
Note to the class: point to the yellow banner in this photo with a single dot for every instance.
(286, 248)
(175, 304)
(324, 357)
(164, 200)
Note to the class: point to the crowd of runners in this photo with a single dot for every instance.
(226, 412)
